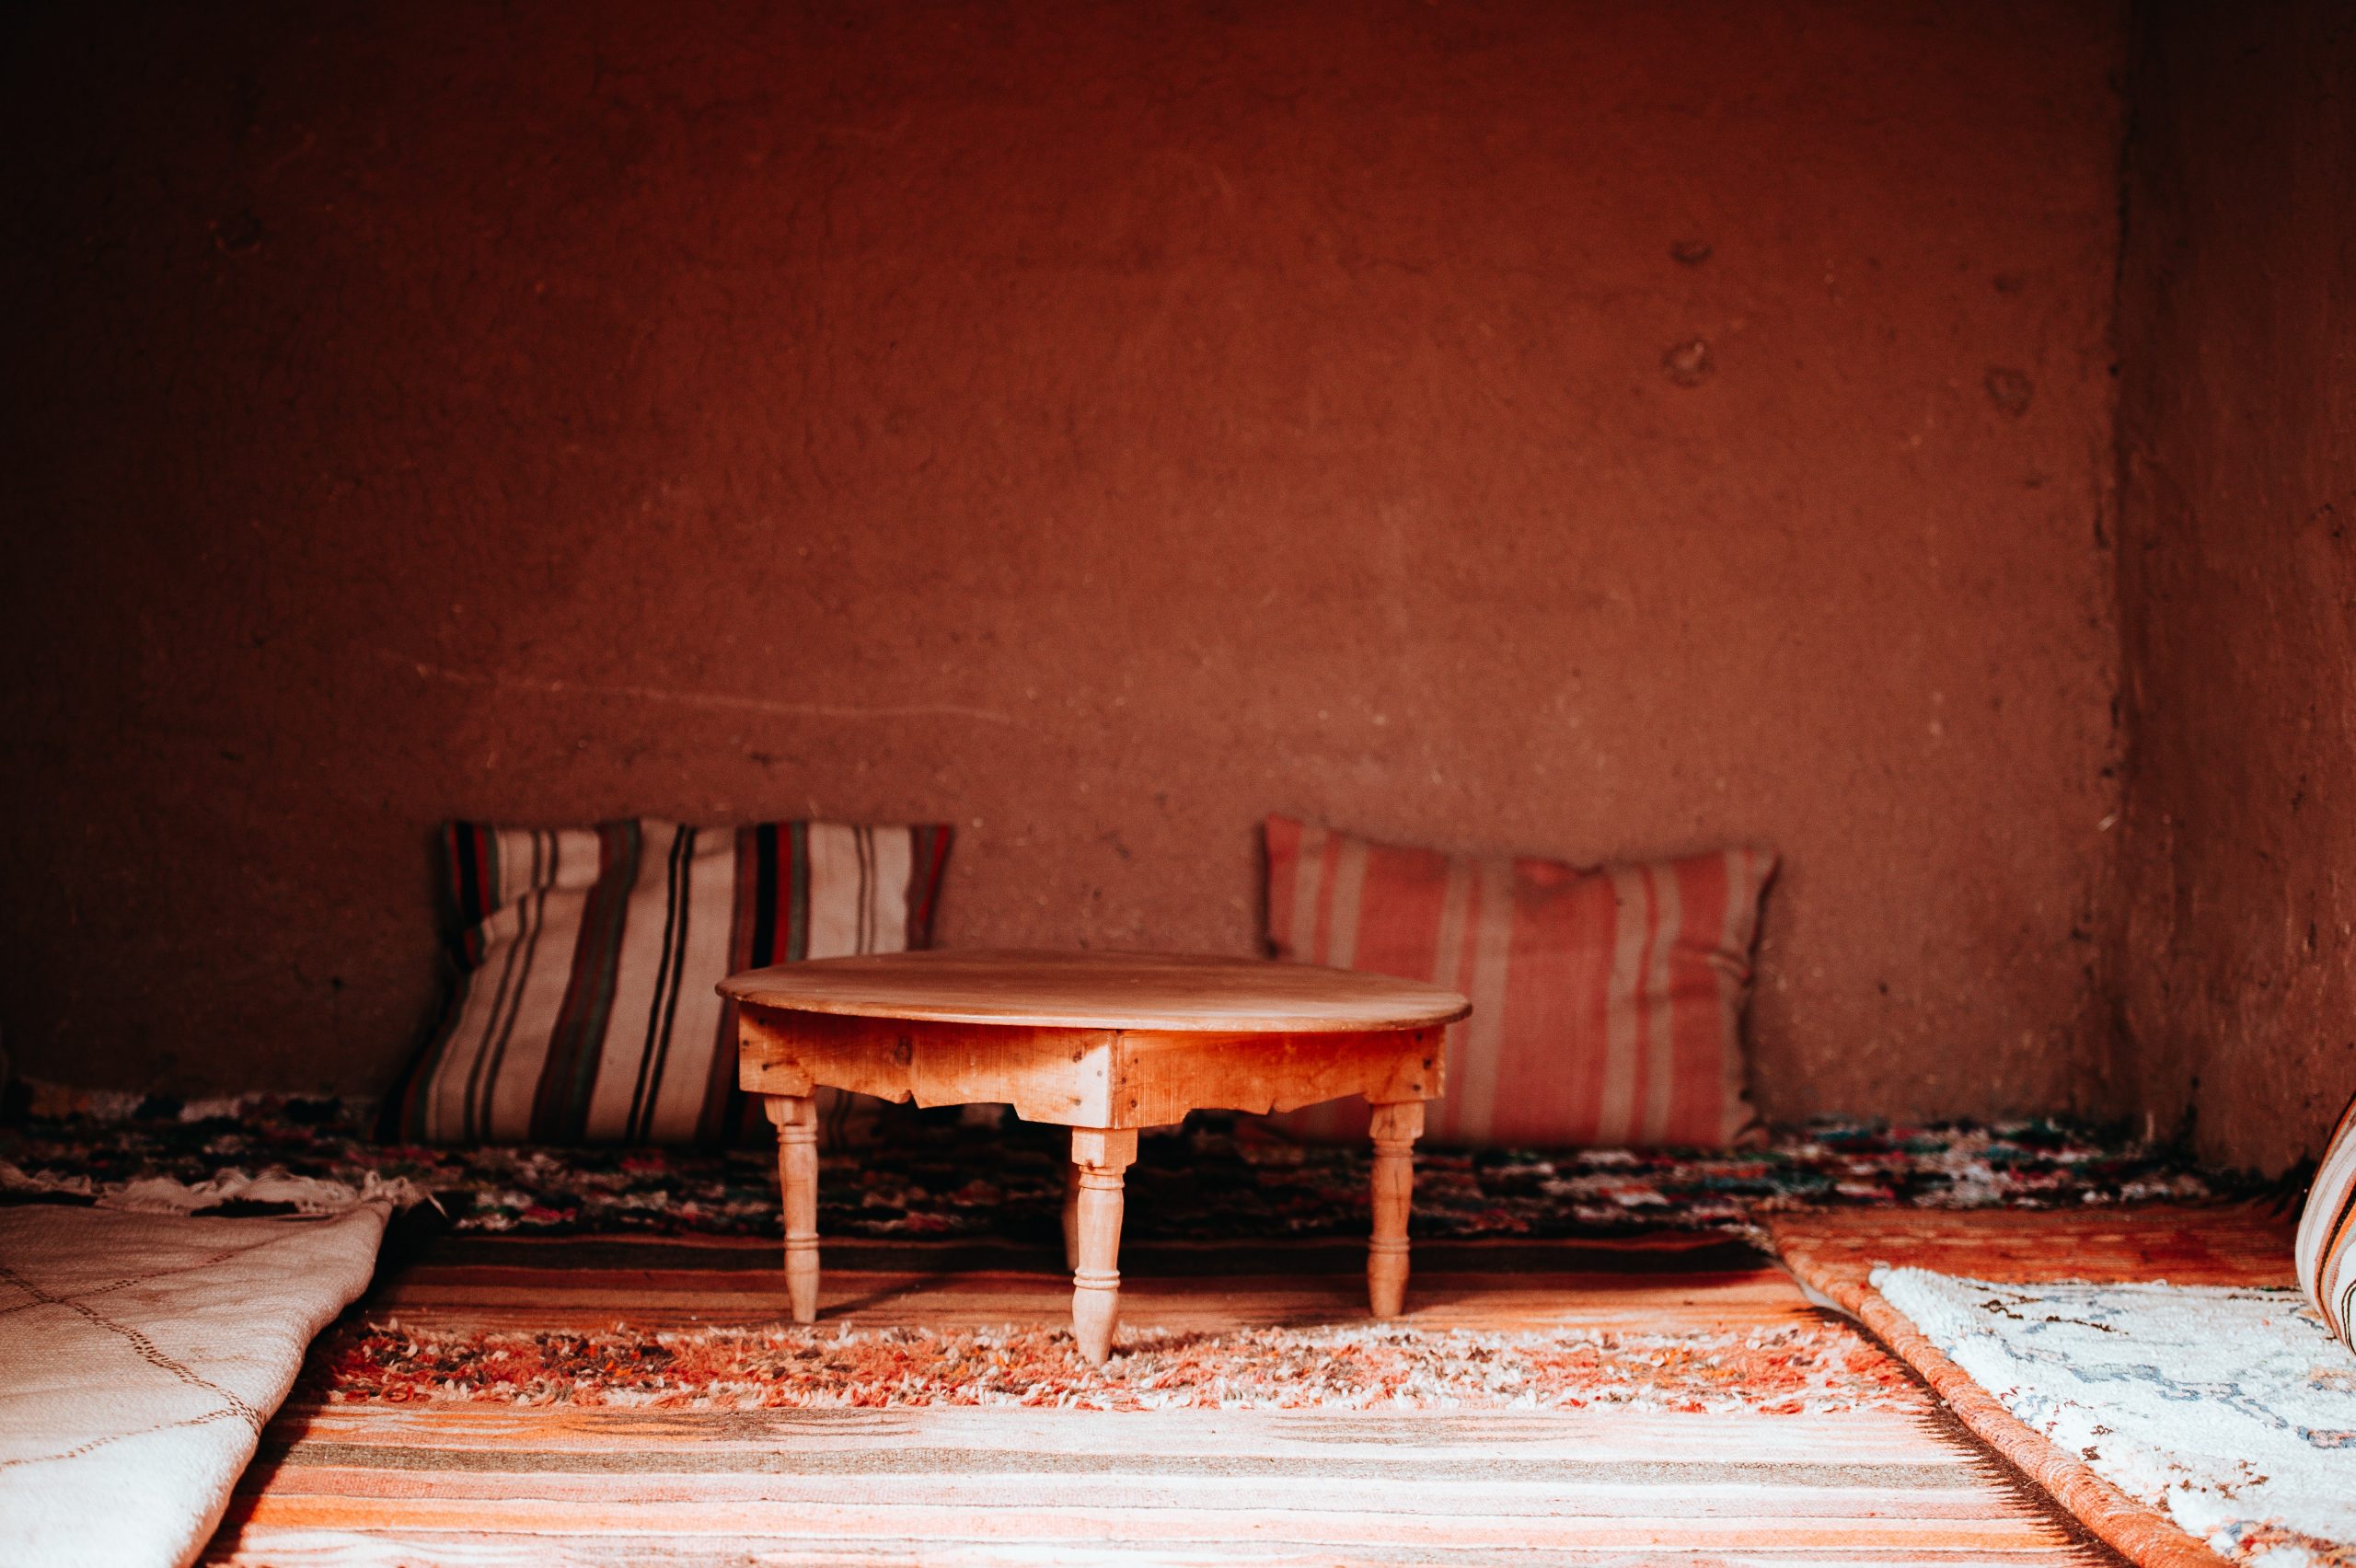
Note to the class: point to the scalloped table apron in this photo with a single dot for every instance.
(1104, 1044)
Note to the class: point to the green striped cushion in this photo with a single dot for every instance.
(582, 1010)
(2327, 1250)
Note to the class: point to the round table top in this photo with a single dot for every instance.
(1100, 990)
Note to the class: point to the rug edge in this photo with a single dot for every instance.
(2142, 1533)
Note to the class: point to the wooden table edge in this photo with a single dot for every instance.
(1105, 1081)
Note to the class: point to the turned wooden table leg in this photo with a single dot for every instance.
(1100, 1156)
(796, 1117)
(1071, 1214)
(1396, 1128)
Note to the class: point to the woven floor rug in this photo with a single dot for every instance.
(483, 1484)
(2232, 1409)
(927, 1176)
(639, 1400)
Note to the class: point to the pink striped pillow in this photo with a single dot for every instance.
(1606, 1003)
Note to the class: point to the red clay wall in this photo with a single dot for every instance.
(2237, 961)
(1100, 425)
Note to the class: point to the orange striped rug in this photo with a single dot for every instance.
(469, 1475)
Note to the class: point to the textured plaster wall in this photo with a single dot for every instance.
(2236, 962)
(1582, 429)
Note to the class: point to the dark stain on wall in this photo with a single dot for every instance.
(1561, 428)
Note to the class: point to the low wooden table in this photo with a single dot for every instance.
(1104, 1044)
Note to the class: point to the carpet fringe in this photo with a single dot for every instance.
(274, 1187)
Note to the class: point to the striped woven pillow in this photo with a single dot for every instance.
(1606, 1003)
(584, 1009)
(2327, 1250)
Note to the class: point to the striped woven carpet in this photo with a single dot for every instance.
(1643, 1475)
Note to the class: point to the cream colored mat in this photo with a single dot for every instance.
(140, 1355)
(2232, 1409)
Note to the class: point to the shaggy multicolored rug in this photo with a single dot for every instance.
(2234, 1409)
(1821, 1367)
(929, 1177)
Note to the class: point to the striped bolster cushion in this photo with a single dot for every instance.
(2327, 1250)
(1606, 1003)
(582, 1010)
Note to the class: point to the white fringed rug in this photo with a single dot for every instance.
(2230, 1408)
(140, 1357)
